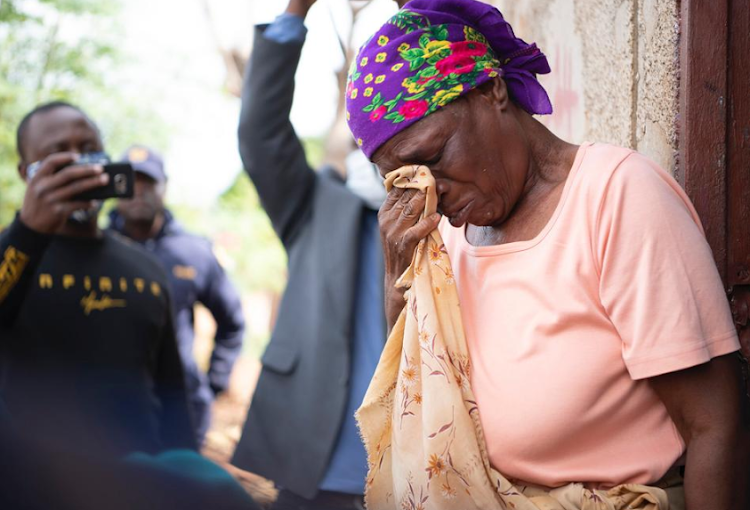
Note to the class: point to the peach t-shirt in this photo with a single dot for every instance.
(564, 329)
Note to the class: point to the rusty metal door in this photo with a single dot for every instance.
(714, 138)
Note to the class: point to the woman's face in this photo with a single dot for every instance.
(476, 151)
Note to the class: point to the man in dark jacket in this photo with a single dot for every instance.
(300, 430)
(195, 276)
(88, 357)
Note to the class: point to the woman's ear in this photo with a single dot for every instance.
(496, 92)
(500, 92)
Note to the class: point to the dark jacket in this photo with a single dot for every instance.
(298, 406)
(195, 276)
(88, 357)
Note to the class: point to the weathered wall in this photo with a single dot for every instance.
(614, 69)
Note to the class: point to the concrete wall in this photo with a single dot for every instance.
(614, 69)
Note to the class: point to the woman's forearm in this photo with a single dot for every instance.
(716, 472)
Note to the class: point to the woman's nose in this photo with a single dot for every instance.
(441, 187)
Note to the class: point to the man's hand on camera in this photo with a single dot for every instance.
(49, 199)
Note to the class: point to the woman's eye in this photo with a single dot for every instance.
(433, 161)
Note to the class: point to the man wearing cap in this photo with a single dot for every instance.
(195, 276)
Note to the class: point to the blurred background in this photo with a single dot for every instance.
(168, 74)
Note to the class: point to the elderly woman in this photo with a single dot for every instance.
(602, 347)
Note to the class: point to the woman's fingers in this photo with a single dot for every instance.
(422, 229)
(414, 206)
(392, 199)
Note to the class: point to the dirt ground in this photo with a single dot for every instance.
(228, 417)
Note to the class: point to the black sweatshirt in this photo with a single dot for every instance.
(88, 356)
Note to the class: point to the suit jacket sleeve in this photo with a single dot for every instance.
(271, 152)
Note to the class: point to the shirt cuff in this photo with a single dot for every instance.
(25, 240)
(701, 353)
(286, 28)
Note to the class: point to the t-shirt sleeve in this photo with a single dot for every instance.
(659, 283)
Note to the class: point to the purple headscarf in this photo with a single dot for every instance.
(430, 53)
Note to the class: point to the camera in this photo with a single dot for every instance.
(121, 177)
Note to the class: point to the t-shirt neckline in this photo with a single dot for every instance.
(485, 251)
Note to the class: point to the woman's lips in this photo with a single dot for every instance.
(459, 217)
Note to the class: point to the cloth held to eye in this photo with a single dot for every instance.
(419, 419)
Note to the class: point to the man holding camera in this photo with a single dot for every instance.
(195, 276)
(87, 345)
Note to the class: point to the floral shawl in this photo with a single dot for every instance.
(419, 420)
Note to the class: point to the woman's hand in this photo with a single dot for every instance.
(50, 195)
(400, 231)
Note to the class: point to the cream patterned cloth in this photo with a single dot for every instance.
(419, 420)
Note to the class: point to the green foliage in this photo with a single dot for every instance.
(62, 50)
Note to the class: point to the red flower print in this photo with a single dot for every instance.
(413, 109)
(377, 113)
(469, 48)
(458, 64)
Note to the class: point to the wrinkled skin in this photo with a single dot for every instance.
(498, 171)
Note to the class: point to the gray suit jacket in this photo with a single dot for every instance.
(298, 406)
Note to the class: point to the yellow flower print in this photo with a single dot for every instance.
(434, 252)
(434, 47)
(435, 466)
(382, 40)
(443, 97)
(359, 142)
(354, 94)
(492, 74)
(403, 47)
(417, 398)
(363, 62)
(380, 57)
(348, 116)
(409, 375)
(413, 87)
(424, 337)
(449, 278)
(397, 67)
(380, 79)
(447, 491)
(368, 92)
(368, 78)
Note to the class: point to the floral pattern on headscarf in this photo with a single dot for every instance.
(429, 54)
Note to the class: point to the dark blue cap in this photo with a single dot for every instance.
(146, 161)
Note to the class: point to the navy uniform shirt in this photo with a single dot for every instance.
(195, 276)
